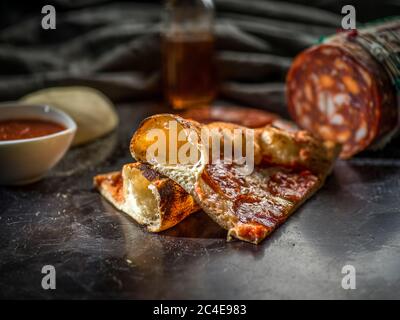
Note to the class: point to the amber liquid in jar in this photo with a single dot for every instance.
(189, 71)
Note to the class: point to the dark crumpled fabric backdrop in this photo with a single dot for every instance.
(115, 46)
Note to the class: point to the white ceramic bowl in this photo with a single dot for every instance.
(27, 160)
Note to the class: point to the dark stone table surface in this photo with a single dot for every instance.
(98, 252)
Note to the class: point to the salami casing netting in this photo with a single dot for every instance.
(339, 91)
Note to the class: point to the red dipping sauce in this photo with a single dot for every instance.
(27, 129)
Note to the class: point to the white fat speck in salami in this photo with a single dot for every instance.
(322, 102)
(330, 105)
(361, 133)
(341, 98)
(337, 119)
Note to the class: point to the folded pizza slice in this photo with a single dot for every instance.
(289, 168)
(150, 198)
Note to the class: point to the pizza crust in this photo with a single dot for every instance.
(148, 197)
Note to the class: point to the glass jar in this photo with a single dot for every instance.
(188, 53)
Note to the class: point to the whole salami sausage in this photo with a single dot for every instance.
(345, 88)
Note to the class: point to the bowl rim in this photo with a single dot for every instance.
(70, 124)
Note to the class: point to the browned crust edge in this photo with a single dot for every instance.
(174, 204)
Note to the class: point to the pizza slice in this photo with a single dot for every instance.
(289, 168)
(156, 201)
(150, 198)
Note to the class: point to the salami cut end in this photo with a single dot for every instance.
(340, 93)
